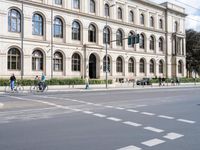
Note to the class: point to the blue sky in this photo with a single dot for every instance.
(192, 12)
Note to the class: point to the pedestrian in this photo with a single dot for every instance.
(86, 83)
(133, 83)
(12, 81)
(163, 81)
(160, 81)
(177, 81)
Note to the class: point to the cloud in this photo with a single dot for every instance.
(192, 9)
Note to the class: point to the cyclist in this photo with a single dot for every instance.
(12, 81)
(42, 84)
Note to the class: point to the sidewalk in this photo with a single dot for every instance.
(117, 86)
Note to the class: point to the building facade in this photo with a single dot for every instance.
(68, 38)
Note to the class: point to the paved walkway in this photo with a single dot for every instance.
(118, 86)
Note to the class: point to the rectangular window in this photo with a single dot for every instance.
(58, 2)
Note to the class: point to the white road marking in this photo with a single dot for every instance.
(153, 142)
(90, 103)
(114, 119)
(100, 115)
(132, 123)
(173, 136)
(109, 106)
(146, 113)
(1, 105)
(186, 121)
(153, 129)
(119, 108)
(141, 105)
(97, 104)
(165, 117)
(130, 148)
(77, 110)
(131, 110)
(87, 112)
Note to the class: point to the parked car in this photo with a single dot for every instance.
(144, 81)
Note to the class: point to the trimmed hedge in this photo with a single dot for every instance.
(182, 80)
(71, 81)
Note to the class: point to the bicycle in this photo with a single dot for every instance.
(41, 87)
(17, 88)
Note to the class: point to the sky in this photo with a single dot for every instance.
(192, 8)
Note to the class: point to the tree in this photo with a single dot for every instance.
(192, 51)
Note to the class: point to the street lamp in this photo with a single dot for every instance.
(107, 13)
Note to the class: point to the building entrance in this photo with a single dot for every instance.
(92, 67)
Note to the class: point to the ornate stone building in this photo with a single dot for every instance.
(67, 38)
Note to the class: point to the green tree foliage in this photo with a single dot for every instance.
(193, 51)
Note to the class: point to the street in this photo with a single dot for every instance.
(142, 119)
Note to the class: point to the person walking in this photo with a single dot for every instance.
(12, 81)
(86, 83)
(160, 81)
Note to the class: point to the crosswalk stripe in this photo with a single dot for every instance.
(114, 119)
(173, 136)
(130, 148)
(153, 142)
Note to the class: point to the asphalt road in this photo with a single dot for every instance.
(145, 119)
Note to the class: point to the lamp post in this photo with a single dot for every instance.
(22, 40)
(107, 13)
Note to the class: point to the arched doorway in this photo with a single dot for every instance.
(92, 66)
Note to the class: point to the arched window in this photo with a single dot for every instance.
(119, 12)
(131, 65)
(180, 67)
(107, 10)
(161, 67)
(106, 35)
(14, 59)
(161, 24)
(37, 60)
(76, 4)
(142, 66)
(119, 65)
(76, 62)
(151, 66)
(131, 34)
(58, 61)
(176, 26)
(14, 21)
(160, 44)
(131, 16)
(76, 31)
(141, 19)
(37, 24)
(104, 64)
(151, 43)
(58, 2)
(119, 38)
(58, 28)
(151, 21)
(92, 6)
(92, 33)
(142, 41)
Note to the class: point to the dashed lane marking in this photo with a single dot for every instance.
(130, 148)
(173, 136)
(119, 108)
(1, 105)
(129, 110)
(132, 110)
(165, 117)
(132, 123)
(146, 113)
(87, 112)
(100, 115)
(114, 119)
(153, 129)
(153, 142)
(109, 106)
(186, 121)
